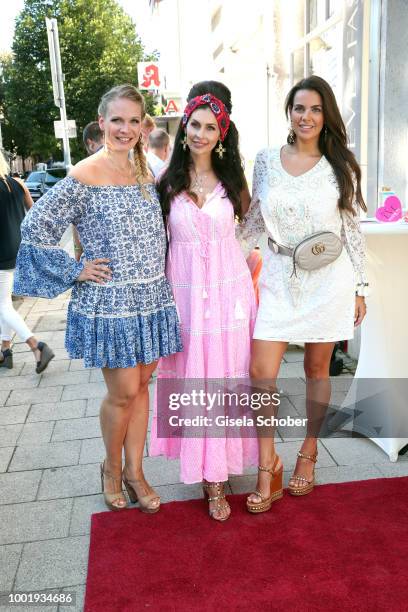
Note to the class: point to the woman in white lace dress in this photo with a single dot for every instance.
(309, 185)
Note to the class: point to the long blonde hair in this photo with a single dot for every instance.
(4, 167)
(130, 93)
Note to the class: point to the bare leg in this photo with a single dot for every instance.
(266, 357)
(318, 391)
(116, 410)
(136, 436)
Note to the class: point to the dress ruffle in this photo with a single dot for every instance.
(122, 342)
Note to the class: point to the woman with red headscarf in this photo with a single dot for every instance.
(202, 192)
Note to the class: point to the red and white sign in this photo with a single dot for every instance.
(172, 107)
(148, 74)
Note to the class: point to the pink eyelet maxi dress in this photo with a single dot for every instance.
(213, 290)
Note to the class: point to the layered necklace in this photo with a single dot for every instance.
(199, 182)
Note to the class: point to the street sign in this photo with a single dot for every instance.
(171, 108)
(59, 129)
(148, 75)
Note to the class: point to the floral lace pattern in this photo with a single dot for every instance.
(290, 208)
(130, 319)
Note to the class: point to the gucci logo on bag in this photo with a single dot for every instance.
(318, 248)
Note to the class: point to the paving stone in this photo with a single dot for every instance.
(299, 401)
(63, 410)
(11, 415)
(19, 486)
(45, 308)
(346, 473)
(92, 451)
(161, 471)
(179, 492)
(54, 454)
(76, 429)
(77, 364)
(27, 358)
(96, 376)
(93, 406)
(32, 521)
(33, 434)
(288, 451)
(9, 559)
(242, 484)
(52, 563)
(20, 382)
(3, 396)
(294, 355)
(291, 370)
(291, 386)
(354, 451)
(58, 339)
(70, 481)
(35, 396)
(16, 370)
(51, 322)
(65, 378)
(54, 367)
(9, 434)
(90, 390)
(5, 456)
(82, 511)
(79, 598)
(393, 469)
(22, 347)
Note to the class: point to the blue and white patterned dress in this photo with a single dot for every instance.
(132, 318)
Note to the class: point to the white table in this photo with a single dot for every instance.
(383, 359)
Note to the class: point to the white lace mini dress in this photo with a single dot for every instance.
(302, 306)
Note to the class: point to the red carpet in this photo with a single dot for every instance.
(344, 547)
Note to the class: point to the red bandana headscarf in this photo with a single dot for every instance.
(217, 107)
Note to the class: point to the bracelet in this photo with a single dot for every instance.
(77, 248)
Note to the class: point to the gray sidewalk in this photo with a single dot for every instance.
(50, 449)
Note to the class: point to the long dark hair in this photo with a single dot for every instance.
(333, 142)
(229, 170)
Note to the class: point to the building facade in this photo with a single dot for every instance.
(259, 49)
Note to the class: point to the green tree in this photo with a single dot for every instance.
(99, 49)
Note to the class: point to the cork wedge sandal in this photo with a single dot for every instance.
(303, 486)
(275, 489)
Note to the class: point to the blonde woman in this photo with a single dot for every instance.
(121, 316)
(15, 200)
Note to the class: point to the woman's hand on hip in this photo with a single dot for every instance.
(360, 310)
(96, 271)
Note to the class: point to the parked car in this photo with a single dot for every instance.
(40, 181)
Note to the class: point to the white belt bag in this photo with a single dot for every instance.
(313, 252)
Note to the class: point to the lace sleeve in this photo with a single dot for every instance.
(43, 268)
(353, 240)
(252, 226)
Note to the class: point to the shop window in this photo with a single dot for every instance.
(325, 57)
(316, 13)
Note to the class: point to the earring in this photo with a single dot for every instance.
(325, 131)
(291, 136)
(184, 142)
(220, 150)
